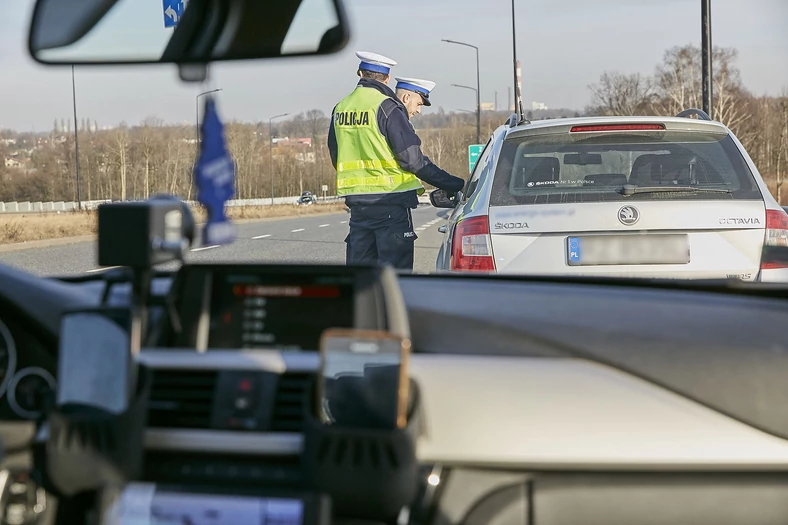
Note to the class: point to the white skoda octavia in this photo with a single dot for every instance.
(648, 197)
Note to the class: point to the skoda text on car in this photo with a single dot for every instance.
(644, 197)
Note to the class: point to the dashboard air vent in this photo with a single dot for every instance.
(289, 403)
(181, 398)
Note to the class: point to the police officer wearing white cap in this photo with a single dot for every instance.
(380, 165)
(414, 93)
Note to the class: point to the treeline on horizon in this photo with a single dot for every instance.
(129, 162)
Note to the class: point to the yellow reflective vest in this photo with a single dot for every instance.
(365, 162)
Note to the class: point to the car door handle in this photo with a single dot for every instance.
(442, 229)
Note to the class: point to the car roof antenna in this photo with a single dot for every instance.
(193, 72)
(518, 96)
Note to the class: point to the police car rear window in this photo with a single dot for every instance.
(594, 167)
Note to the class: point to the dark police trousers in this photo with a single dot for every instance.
(381, 235)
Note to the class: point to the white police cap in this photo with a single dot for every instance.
(417, 85)
(374, 62)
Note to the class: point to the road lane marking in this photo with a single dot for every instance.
(205, 248)
(297, 230)
(342, 222)
(322, 225)
(420, 229)
(101, 269)
(262, 236)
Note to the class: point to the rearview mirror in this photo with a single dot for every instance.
(440, 199)
(183, 31)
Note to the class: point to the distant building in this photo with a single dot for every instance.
(488, 106)
(287, 141)
(539, 106)
(12, 163)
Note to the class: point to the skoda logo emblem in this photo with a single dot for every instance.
(628, 215)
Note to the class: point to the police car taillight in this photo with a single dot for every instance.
(471, 249)
(776, 235)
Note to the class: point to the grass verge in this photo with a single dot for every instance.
(24, 227)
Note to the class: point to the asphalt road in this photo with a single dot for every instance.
(312, 239)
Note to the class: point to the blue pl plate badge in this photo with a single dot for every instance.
(214, 176)
(574, 250)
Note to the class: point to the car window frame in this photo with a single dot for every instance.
(473, 179)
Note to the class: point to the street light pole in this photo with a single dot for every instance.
(478, 102)
(478, 89)
(197, 109)
(707, 56)
(76, 136)
(271, 152)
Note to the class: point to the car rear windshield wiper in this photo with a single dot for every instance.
(631, 189)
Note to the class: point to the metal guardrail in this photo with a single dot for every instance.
(61, 207)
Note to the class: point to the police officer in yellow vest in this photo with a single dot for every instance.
(380, 165)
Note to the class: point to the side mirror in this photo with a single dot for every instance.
(440, 199)
(442, 229)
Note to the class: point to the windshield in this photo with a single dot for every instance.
(642, 194)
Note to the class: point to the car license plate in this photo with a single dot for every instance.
(628, 249)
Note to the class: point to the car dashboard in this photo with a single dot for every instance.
(545, 400)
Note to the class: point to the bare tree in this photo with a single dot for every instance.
(678, 79)
(148, 144)
(618, 94)
(679, 84)
(782, 144)
(434, 145)
(120, 149)
(316, 123)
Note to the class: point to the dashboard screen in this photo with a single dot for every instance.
(145, 504)
(286, 312)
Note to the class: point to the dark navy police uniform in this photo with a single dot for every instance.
(381, 225)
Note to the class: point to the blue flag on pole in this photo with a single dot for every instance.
(214, 176)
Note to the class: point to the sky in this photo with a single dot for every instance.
(563, 45)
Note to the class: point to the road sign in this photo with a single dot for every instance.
(325, 187)
(474, 150)
(173, 9)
